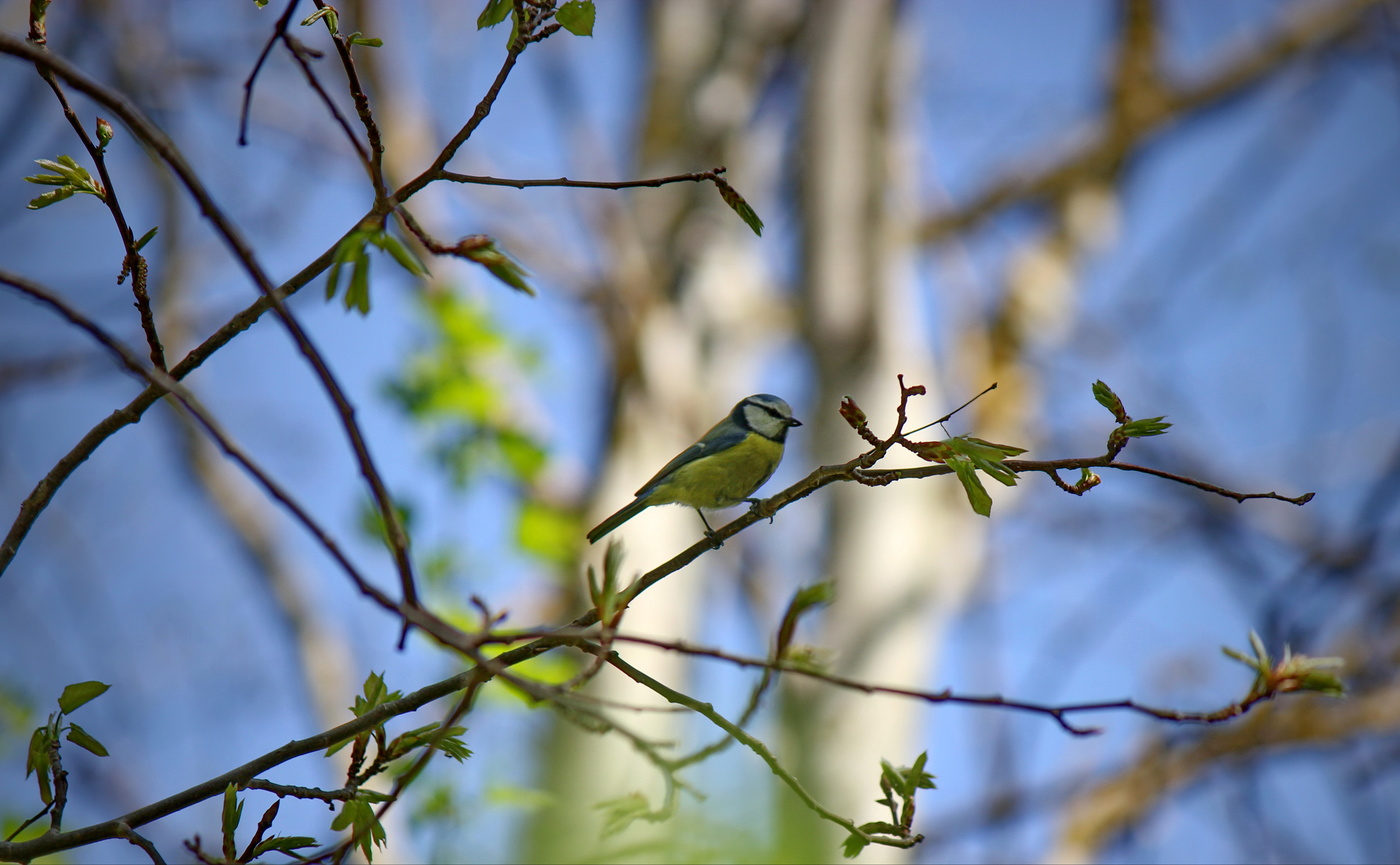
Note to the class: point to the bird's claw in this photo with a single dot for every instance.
(754, 509)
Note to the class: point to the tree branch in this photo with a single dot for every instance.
(158, 141)
(1309, 27)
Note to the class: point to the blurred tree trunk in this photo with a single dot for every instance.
(689, 315)
(689, 318)
(901, 556)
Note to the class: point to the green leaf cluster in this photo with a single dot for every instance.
(46, 737)
(461, 387)
(967, 455)
(1127, 427)
(331, 17)
(68, 178)
(899, 786)
(376, 693)
(575, 16)
(484, 251)
(360, 817)
(353, 250)
(1290, 673)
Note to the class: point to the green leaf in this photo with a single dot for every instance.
(1105, 397)
(576, 16)
(991, 450)
(80, 737)
(452, 745)
(374, 691)
(483, 251)
(146, 238)
(494, 13)
(357, 38)
(326, 12)
(976, 493)
(70, 177)
(79, 693)
(332, 280)
(403, 255)
(815, 595)
(890, 776)
(38, 750)
(282, 844)
(233, 812)
(38, 759)
(350, 248)
(366, 826)
(852, 846)
(1148, 426)
(737, 203)
(51, 197)
(357, 294)
(346, 817)
(879, 826)
(915, 778)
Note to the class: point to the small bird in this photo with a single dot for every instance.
(724, 468)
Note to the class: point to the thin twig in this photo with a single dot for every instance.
(753, 744)
(125, 831)
(277, 33)
(483, 108)
(1058, 713)
(482, 180)
(57, 842)
(60, 786)
(30, 822)
(341, 795)
(299, 52)
(187, 399)
(49, 485)
(133, 262)
(242, 251)
(357, 93)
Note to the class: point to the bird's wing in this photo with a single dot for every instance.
(714, 441)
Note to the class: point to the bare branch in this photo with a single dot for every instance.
(1312, 27)
(278, 32)
(153, 136)
(482, 180)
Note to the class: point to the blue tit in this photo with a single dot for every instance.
(724, 468)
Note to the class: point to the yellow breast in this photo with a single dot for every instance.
(722, 479)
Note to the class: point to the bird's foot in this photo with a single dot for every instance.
(715, 542)
(754, 508)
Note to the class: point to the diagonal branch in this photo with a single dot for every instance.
(159, 142)
(1308, 28)
(162, 380)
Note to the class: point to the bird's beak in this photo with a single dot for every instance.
(792, 421)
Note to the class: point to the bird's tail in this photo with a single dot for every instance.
(616, 520)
